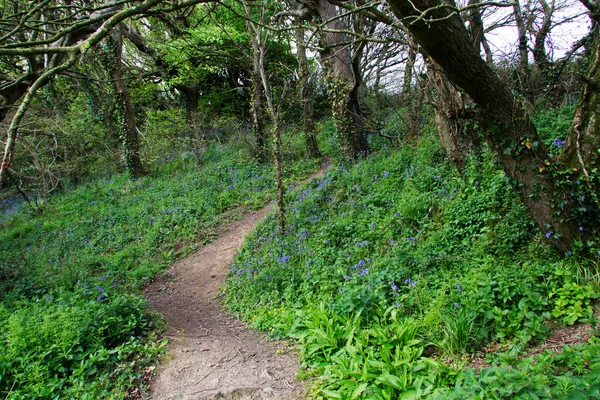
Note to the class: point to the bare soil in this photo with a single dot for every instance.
(211, 354)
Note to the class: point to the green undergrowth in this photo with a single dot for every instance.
(397, 269)
(73, 323)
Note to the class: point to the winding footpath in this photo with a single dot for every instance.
(211, 354)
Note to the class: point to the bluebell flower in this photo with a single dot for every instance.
(456, 305)
(548, 234)
(364, 271)
(101, 297)
(558, 142)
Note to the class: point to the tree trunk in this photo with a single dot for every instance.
(477, 31)
(539, 47)
(410, 101)
(456, 136)
(343, 86)
(258, 38)
(507, 128)
(125, 119)
(305, 101)
(256, 105)
(523, 71)
(583, 140)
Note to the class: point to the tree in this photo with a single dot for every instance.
(125, 125)
(304, 94)
(258, 38)
(557, 208)
(343, 76)
(39, 41)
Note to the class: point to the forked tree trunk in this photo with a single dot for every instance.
(508, 129)
(337, 58)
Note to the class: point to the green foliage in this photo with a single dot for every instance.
(62, 147)
(165, 135)
(551, 124)
(72, 320)
(67, 345)
(454, 256)
(379, 360)
(570, 374)
(573, 301)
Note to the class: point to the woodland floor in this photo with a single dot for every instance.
(212, 355)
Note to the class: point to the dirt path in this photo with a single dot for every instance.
(212, 355)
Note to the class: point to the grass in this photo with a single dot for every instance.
(73, 323)
(394, 270)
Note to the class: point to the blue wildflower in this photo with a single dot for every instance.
(558, 142)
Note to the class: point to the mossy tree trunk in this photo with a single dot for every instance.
(126, 127)
(344, 81)
(554, 206)
(582, 147)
